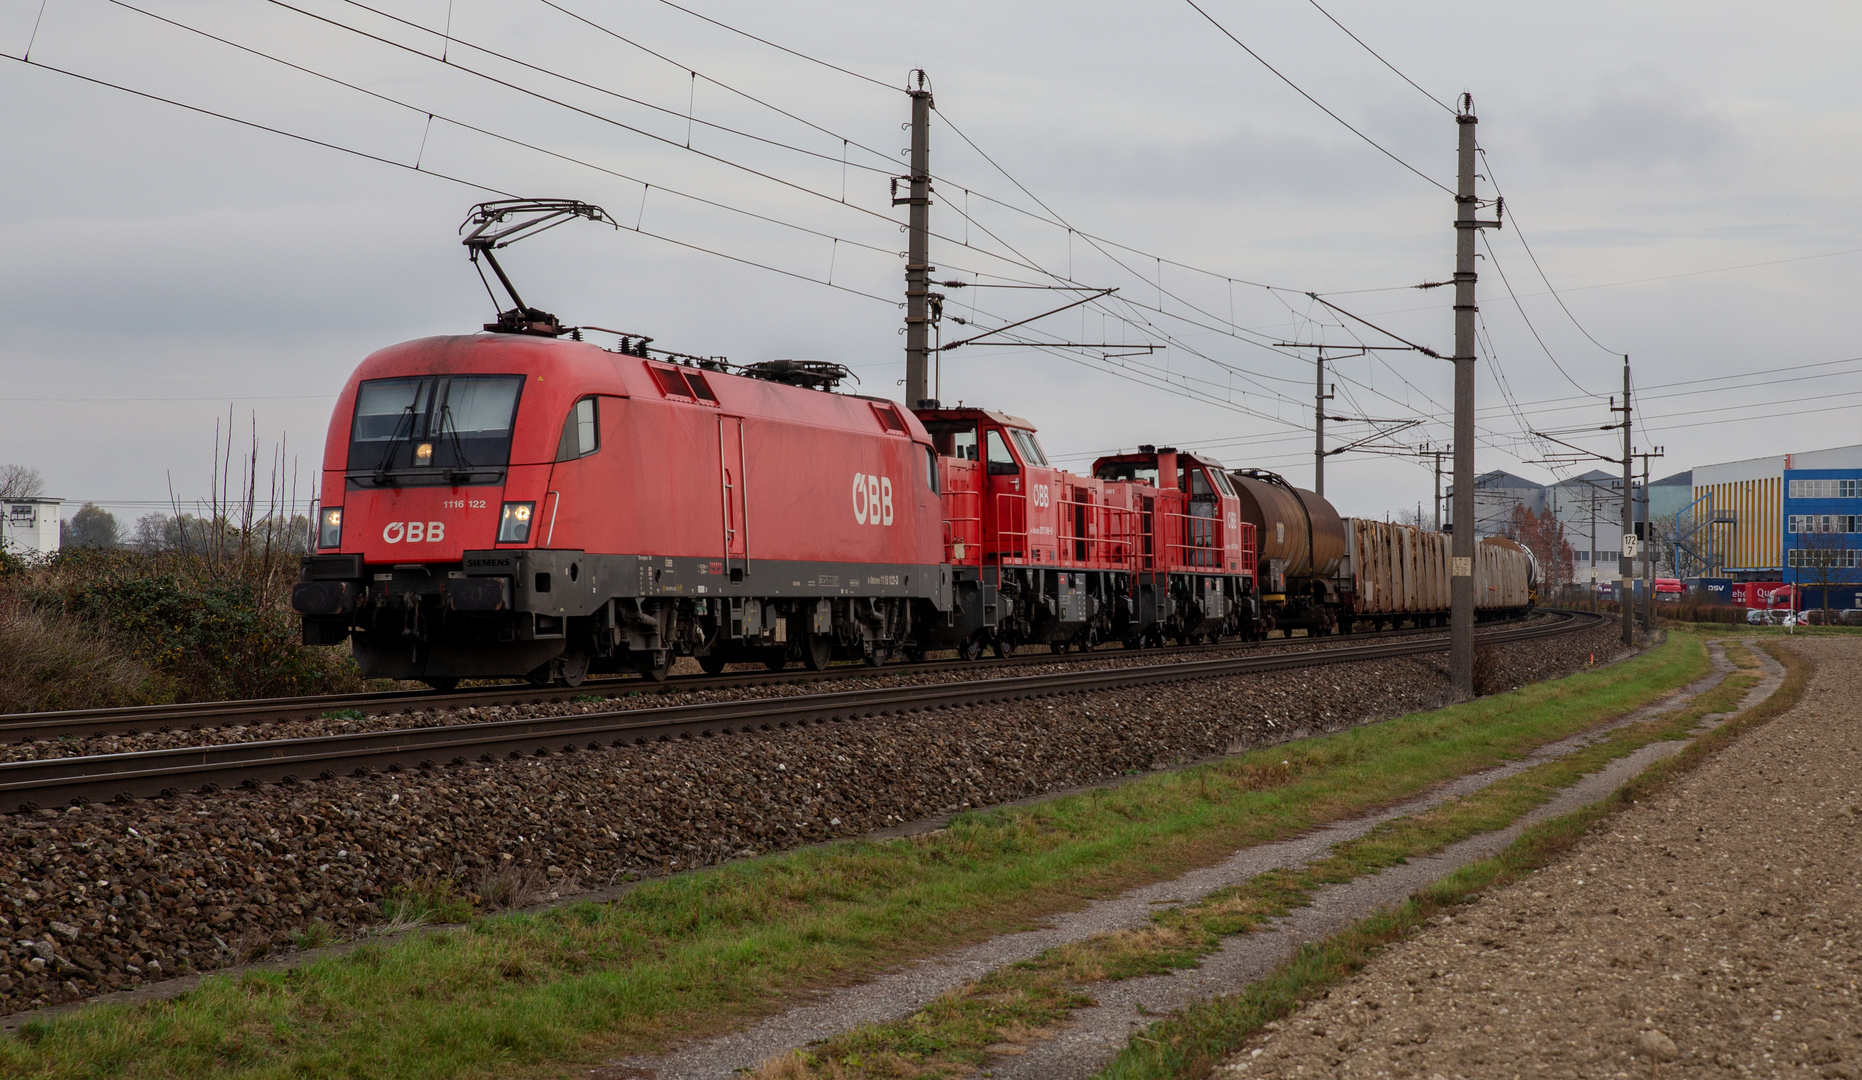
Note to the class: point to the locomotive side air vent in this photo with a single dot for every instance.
(813, 374)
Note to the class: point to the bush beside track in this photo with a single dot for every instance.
(89, 628)
(200, 881)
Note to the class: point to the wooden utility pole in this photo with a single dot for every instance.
(917, 261)
(1461, 552)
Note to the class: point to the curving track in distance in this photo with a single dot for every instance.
(26, 785)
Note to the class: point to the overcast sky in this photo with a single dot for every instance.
(1685, 174)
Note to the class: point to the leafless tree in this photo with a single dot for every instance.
(20, 482)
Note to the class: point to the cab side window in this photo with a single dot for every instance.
(1001, 462)
(931, 469)
(581, 435)
(1200, 491)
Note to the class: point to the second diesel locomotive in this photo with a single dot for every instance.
(503, 504)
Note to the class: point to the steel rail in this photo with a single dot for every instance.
(138, 719)
(25, 785)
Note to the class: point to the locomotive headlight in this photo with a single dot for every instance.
(330, 527)
(423, 454)
(514, 523)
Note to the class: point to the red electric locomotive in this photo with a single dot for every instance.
(513, 504)
(506, 505)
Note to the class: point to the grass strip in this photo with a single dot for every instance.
(693, 954)
(1189, 1045)
(960, 1030)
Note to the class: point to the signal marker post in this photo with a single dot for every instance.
(1461, 572)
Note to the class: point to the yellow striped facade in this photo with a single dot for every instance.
(1755, 540)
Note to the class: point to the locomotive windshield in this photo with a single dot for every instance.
(1143, 471)
(434, 429)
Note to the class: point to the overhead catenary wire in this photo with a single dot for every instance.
(590, 114)
(1521, 308)
(423, 171)
(1315, 101)
(1488, 165)
(1433, 100)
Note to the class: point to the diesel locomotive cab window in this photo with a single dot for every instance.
(953, 438)
(1001, 462)
(1141, 471)
(1031, 450)
(435, 429)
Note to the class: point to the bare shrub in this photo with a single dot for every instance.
(202, 615)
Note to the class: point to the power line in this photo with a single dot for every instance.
(781, 48)
(586, 21)
(430, 172)
(1443, 105)
(540, 96)
(1491, 257)
(433, 115)
(1315, 101)
(1488, 164)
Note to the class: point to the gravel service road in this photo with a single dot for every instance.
(105, 897)
(1714, 931)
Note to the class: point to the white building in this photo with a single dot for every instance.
(29, 526)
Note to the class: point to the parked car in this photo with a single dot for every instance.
(1769, 616)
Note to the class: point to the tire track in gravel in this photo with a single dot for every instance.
(1097, 1032)
(1710, 931)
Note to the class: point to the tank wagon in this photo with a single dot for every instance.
(1325, 574)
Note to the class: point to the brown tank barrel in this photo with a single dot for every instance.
(1280, 525)
(1328, 533)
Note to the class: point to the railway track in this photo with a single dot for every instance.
(136, 720)
(26, 785)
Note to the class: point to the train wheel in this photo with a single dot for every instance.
(1003, 649)
(574, 669)
(656, 665)
(1057, 647)
(539, 677)
(776, 660)
(448, 683)
(971, 650)
(712, 663)
(877, 654)
(817, 651)
(915, 654)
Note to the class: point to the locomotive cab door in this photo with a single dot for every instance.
(733, 456)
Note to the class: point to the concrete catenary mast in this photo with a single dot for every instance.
(1461, 572)
(917, 261)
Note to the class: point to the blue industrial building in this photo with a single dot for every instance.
(1823, 535)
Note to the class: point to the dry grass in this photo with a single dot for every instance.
(52, 662)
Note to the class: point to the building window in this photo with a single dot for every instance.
(1826, 489)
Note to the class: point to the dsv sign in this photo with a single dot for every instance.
(872, 499)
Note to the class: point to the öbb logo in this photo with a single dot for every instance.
(414, 532)
(872, 499)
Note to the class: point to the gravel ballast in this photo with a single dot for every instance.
(1712, 931)
(106, 897)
